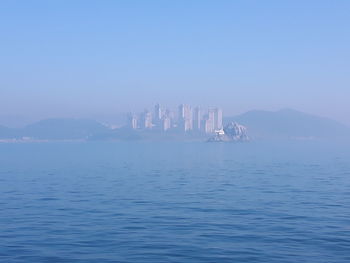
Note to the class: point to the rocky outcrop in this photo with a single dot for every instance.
(232, 132)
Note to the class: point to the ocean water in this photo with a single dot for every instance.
(175, 202)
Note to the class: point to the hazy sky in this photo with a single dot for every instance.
(91, 58)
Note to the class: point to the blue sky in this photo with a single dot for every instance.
(99, 58)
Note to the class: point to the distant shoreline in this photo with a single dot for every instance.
(38, 140)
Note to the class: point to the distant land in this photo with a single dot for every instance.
(290, 124)
(260, 125)
(55, 129)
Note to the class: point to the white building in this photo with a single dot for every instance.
(209, 122)
(166, 123)
(217, 119)
(197, 118)
(157, 114)
(185, 119)
(132, 121)
(146, 120)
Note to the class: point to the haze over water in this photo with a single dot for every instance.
(82, 181)
(175, 202)
(92, 59)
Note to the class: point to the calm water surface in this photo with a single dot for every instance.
(174, 202)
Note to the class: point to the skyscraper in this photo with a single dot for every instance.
(166, 121)
(197, 119)
(157, 115)
(209, 124)
(146, 120)
(185, 120)
(181, 112)
(132, 121)
(188, 119)
(217, 119)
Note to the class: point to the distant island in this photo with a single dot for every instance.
(186, 125)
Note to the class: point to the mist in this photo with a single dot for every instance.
(87, 60)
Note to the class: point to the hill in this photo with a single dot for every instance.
(61, 129)
(289, 123)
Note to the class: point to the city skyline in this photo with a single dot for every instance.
(186, 119)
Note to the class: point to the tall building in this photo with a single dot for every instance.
(146, 120)
(185, 120)
(181, 112)
(217, 119)
(166, 121)
(188, 119)
(157, 115)
(132, 121)
(197, 119)
(209, 123)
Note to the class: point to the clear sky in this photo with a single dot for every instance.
(91, 58)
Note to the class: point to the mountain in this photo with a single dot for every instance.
(62, 129)
(283, 124)
(289, 123)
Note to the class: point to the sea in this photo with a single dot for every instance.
(260, 201)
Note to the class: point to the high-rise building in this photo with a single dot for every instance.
(197, 119)
(185, 120)
(157, 115)
(146, 120)
(181, 112)
(209, 124)
(132, 121)
(166, 121)
(217, 119)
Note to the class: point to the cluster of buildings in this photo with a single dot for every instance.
(185, 119)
